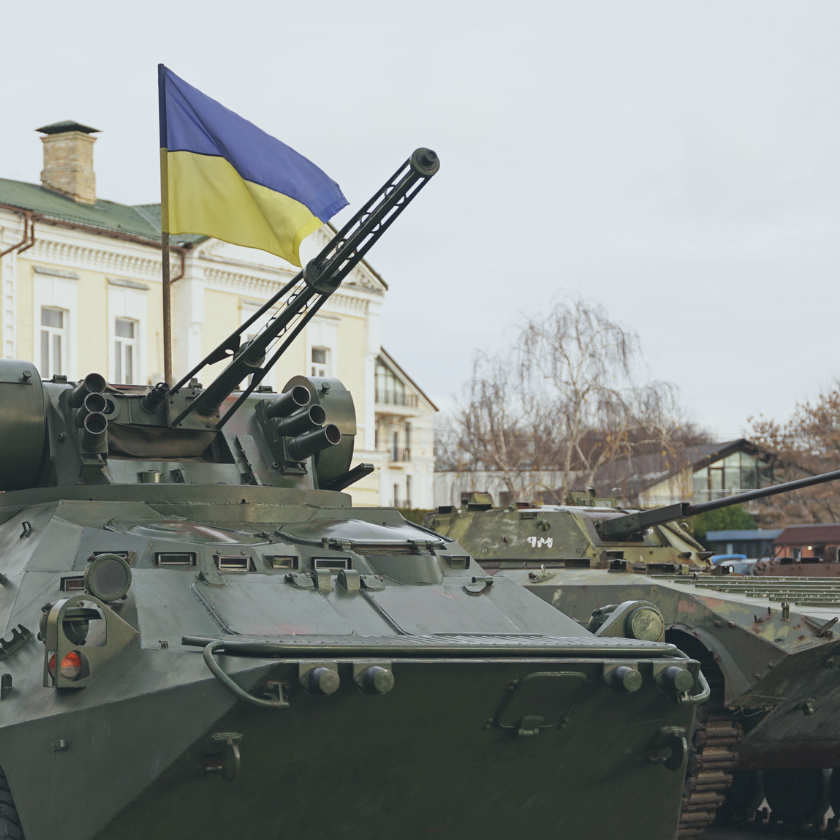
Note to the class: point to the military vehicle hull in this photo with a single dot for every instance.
(765, 644)
(770, 661)
(225, 647)
(149, 747)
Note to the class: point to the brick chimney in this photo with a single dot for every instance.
(68, 160)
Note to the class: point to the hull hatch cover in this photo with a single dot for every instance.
(248, 608)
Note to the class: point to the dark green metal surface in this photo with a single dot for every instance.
(282, 664)
(771, 638)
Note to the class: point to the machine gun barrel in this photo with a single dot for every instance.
(306, 292)
(632, 523)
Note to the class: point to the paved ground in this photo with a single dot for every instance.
(715, 833)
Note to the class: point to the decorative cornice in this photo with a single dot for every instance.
(107, 261)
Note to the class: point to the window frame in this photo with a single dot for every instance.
(124, 347)
(45, 367)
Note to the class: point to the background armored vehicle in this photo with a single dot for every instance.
(203, 639)
(766, 645)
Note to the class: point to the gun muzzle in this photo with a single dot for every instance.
(288, 402)
(94, 430)
(155, 397)
(302, 421)
(301, 447)
(94, 403)
(93, 383)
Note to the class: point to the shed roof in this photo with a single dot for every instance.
(810, 534)
(743, 536)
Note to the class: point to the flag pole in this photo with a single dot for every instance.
(167, 309)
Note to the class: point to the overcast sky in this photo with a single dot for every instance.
(676, 162)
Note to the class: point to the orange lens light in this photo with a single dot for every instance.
(71, 666)
(51, 665)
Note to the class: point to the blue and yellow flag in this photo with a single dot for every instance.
(224, 177)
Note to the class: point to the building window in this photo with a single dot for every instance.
(397, 496)
(125, 351)
(390, 390)
(320, 361)
(395, 446)
(408, 491)
(53, 341)
(408, 440)
(733, 474)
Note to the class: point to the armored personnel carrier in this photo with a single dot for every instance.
(765, 644)
(203, 638)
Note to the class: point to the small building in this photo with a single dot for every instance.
(806, 541)
(691, 474)
(753, 542)
(404, 437)
(81, 283)
(695, 474)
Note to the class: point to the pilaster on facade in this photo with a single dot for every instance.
(188, 295)
(11, 233)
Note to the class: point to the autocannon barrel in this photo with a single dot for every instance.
(632, 523)
(248, 360)
(155, 397)
(306, 292)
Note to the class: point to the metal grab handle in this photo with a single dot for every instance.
(225, 680)
(696, 699)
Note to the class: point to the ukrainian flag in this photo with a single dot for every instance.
(223, 177)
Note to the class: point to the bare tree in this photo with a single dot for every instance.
(807, 444)
(562, 402)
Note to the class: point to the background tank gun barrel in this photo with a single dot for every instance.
(631, 523)
(300, 299)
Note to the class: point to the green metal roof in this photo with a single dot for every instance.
(142, 220)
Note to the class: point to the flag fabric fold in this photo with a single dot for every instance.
(221, 176)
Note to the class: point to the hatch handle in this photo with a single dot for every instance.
(219, 646)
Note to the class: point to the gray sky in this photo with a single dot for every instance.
(676, 162)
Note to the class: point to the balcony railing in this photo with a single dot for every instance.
(399, 455)
(386, 398)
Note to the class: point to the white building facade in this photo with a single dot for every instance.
(81, 292)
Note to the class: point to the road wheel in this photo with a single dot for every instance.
(797, 795)
(834, 791)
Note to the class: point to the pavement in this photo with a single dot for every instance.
(722, 833)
